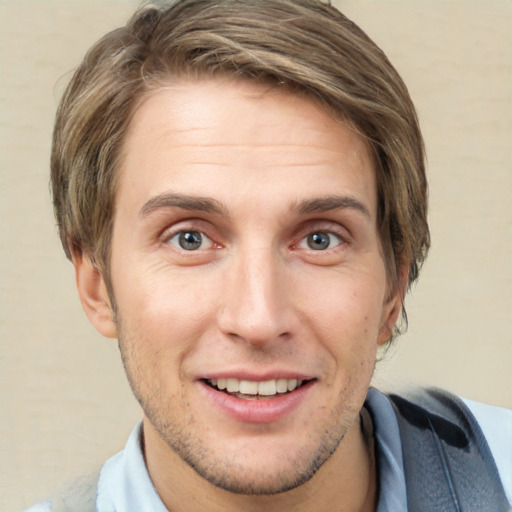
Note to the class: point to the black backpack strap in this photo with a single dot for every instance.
(79, 497)
(448, 464)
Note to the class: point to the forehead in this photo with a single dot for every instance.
(211, 136)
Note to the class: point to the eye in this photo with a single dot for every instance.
(191, 240)
(320, 240)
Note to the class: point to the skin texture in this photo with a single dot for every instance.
(255, 172)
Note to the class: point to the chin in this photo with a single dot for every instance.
(261, 471)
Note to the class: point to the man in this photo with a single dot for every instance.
(240, 186)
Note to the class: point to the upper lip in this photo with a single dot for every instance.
(257, 376)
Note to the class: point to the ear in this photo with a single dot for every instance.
(393, 306)
(93, 294)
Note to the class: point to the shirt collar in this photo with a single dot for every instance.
(392, 495)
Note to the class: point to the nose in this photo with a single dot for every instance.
(257, 305)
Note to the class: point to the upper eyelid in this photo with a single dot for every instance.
(187, 224)
(343, 239)
(169, 235)
(325, 225)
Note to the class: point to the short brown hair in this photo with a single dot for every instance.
(307, 46)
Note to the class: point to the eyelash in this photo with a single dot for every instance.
(181, 238)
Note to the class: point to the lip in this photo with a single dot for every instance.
(262, 410)
(258, 377)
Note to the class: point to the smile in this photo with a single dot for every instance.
(251, 390)
(256, 401)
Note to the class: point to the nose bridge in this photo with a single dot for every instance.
(256, 307)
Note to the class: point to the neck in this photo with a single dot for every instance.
(346, 482)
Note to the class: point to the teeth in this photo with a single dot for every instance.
(233, 385)
(292, 384)
(249, 387)
(267, 388)
(282, 386)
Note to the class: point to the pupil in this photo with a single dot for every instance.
(190, 240)
(318, 241)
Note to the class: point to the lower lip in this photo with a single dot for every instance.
(263, 410)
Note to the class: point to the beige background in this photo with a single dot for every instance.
(65, 406)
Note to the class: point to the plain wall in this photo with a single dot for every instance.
(65, 403)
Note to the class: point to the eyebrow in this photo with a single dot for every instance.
(328, 203)
(209, 205)
(186, 202)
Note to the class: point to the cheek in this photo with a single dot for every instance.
(344, 314)
(163, 314)
(343, 304)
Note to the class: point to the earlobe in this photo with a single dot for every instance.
(391, 311)
(393, 307)
(93, 295)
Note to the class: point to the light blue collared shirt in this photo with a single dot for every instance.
(125, 486)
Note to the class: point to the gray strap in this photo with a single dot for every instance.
(447, 462)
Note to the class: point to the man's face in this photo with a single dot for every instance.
(245, 254)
